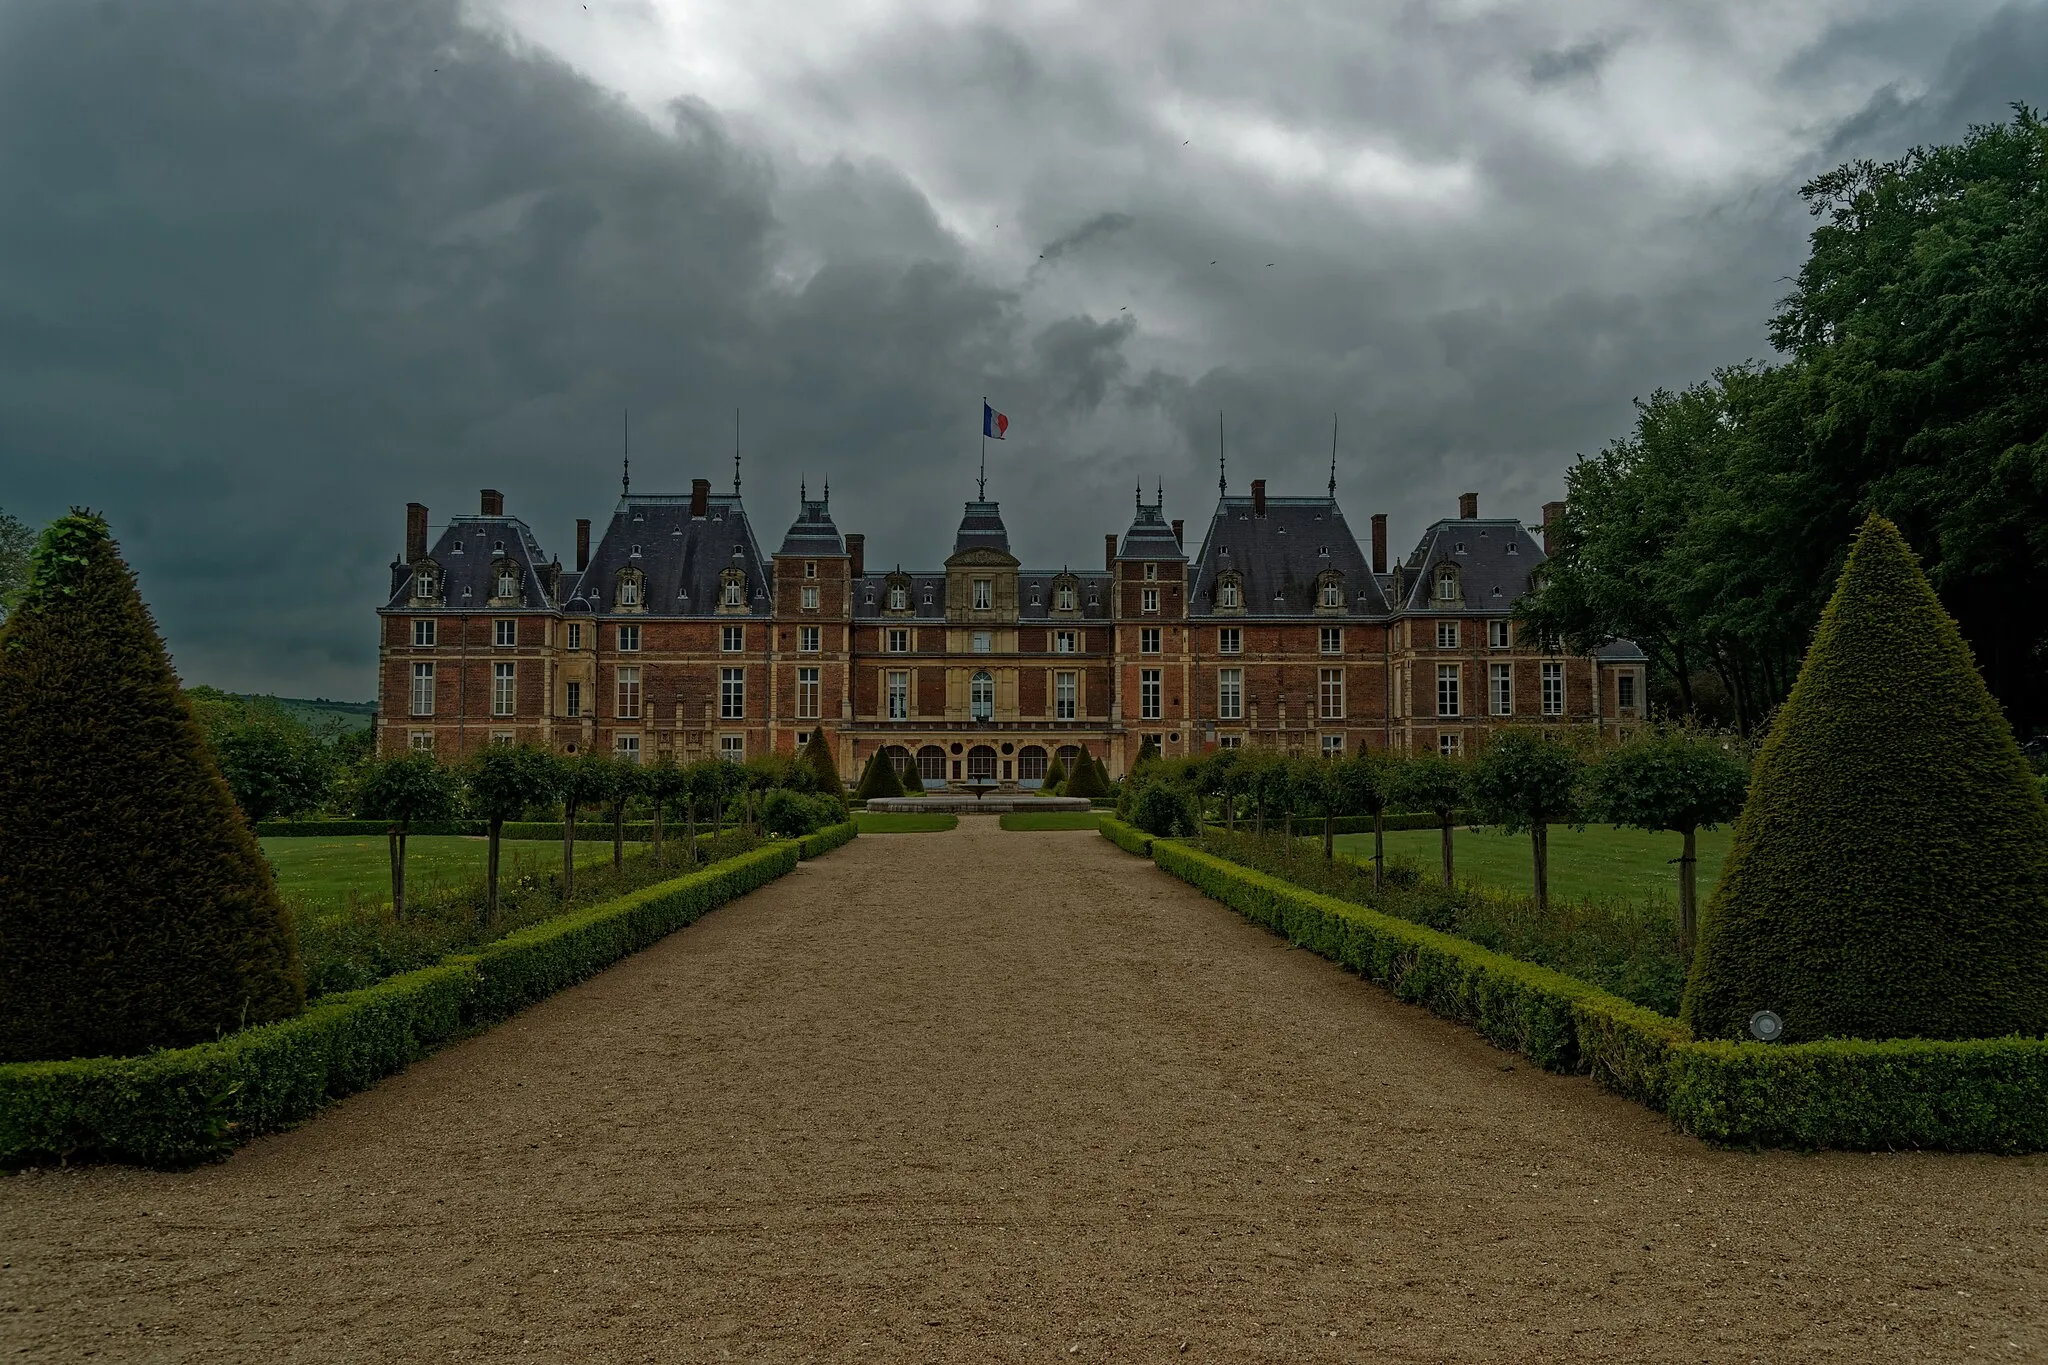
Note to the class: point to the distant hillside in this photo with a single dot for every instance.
(353, 715)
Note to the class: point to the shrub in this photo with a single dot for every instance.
(1129, 838)
(1056, 773)
(1166, 809)
(1889, 875)
(1085, 780)
(817, 757)
(789, 815)
(913, 782)
(136, 908)
(878, 779)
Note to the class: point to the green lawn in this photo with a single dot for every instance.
(325, 871)
(1598, 863)
(1051, 819)
(915, 822)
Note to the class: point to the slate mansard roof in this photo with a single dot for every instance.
(465, 553)
(1279, 558)
(813, 532)
(1150, 535)
(681, 558)
(1496, 560)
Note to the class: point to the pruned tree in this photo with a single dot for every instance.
(1440, 786)
(503, 780)
(402, 790)
(664, 782)
(580, 781)
(1370, 781)
(1526, 780)
(1677, 779)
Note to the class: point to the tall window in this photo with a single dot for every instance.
(807, 639)
(984, 594)
(629, 639)
(504, 689)
(807, 694)
(575, 635)
(629, 694)
(425, 583)
(732, 748)
(573, 703)
(1625, 691)
(896, 640)
(732, 639)
(809, 600)
(1503, 688)
(1497, 633)
(1229, 597)
(1063, 642)
(899, 696)
(1148, 694)
(1333, 594)
(1063, 695)
(1553, 689)
(1333, 639)
(1230, 640)
(1330, 691)
(899, 597)
(733, 591)
(628, 747)
(629, 589)
(1447, 583)
(1447, 635)
(504, 633)
(423, 632)
(1333, 746)
(1149, 601)
(423, 689)
(507, 584)
(1230, 694)
(732, 693)
(1063, 597)
(1447, 689)
(981, 696)
(1148, 640)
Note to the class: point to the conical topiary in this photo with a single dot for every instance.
(878, 778)
(817, 756)
(1055, 774)
(136, 909)
(912, 780)
(1085, 780)
(1889, 874)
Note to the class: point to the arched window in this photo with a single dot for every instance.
(931, 765)
(899, 592)
(1070, 754)
(426, 582)
(630, 584)
(1330, 590)
(1447, 583)
(732, 592)
(504, 579)
(1229, 593)
(981, 696)
(898, 756)
(1031, 763)
(981, 764)
(1064, 594)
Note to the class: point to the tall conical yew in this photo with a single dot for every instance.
(136, 909)
(1889, 874)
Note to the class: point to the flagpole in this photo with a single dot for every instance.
(981, 480)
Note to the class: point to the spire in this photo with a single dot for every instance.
(803, 489)
(1222, 483)
(626, 449)
(1138, 495)
(1333, 455)
(735, 452)
(828, 492)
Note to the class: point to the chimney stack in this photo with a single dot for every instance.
(857, 551)
(1468, 506)
(1109, 553)
(582, 544)
(1379, 542)
(415, 532)
(1553, 512)
(494, 503)
(1258, 497)
(700, 498)
(1177, 525)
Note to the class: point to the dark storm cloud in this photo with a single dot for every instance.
(270, 270)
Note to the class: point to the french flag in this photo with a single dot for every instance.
(993, 423)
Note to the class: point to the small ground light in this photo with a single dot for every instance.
(1766, 1027)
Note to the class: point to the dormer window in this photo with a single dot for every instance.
(1447, 583)
(634, 553)
(628, 594)
(1229, 593)
(498, 547)
(504, 580)
(456, 548)
(1330, 590)
(1063, 597)
(898, 586)
(732, 590)
(984, 594)
(425, 582)
(1513, 548)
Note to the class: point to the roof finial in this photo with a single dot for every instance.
(803, 489)
(828, 493)
(1160, 500)
(626, 448)
(1138, 495)
(1222, 483)
(735, 452)
(1333, 455)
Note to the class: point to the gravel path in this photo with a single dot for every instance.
(988, 1096)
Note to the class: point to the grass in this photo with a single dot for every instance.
(323, 872)
(913, 822)
(1052, 819)
(1598, 863)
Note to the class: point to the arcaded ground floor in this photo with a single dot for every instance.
(1011, 1096)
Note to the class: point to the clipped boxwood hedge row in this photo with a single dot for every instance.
(1985, 1095)
(1127, 837)
(826, 839)
(190, 1104)
(594, 830)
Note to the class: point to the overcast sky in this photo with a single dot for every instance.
(269, 269)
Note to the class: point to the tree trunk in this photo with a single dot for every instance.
(1446, 817)
(1287, 828)
(491, 875)
(718, 815)
(1684, 676)
(1259, 818)
(1379, 848)
(1230, 811)
(658, 803)
(754, 825)
(1329, 837)
(690, 816)
(618, 835)
(1688, 891)
(1539, 844)
(397, 875)
(568, 850)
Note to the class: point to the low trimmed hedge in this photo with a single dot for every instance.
(1127, 837)
(191, 1104)
(588, 830)
(1985, 1095)
(826, 839)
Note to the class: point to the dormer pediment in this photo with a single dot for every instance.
(982, 557)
